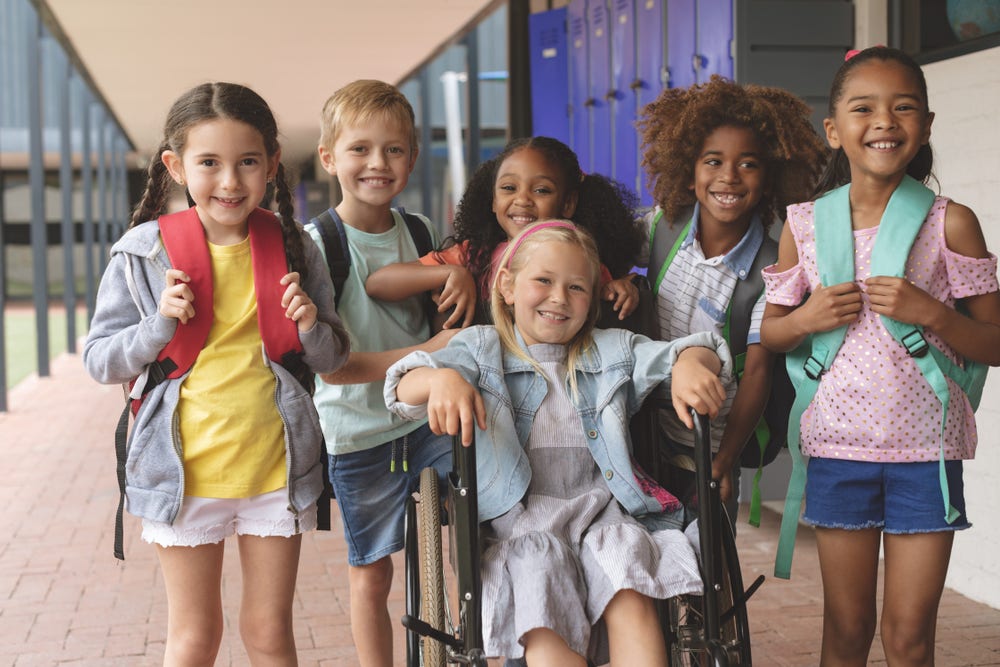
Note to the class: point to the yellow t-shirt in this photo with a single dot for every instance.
(231, 433)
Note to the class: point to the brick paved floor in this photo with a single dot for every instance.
(64, 599)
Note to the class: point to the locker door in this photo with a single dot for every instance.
(579, 82)
(682, 44)
(651, 68)
(624, 139)
(549, 74)
(715, 38)
(600, 85)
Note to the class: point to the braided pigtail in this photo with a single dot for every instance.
(154, 199)
(289, 228)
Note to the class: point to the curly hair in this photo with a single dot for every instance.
(604, 207)
(676, 124)
(838, 170)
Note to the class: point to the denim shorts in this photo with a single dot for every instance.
(211, 520)
(372, 499)
(894, 497)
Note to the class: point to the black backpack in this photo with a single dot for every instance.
(330, 226)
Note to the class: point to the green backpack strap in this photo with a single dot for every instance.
(663, 246)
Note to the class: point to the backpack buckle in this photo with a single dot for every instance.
(914, 343)
(813, 368)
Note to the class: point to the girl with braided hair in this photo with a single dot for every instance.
(232, 445)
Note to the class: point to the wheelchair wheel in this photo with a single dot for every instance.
(683, 617)
(431, 567)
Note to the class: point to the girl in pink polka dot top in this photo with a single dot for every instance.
(873, 431)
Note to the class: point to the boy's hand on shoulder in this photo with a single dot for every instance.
(453, 405)
(624, 294)
(297, 304)
(177, 299)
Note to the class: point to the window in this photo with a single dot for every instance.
(937, 29)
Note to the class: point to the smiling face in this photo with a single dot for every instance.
(372, 160)
(880, 120)
(529, 188)
(225, 167)
(551, 292)
(729, 178)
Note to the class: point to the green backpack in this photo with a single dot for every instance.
(769, 435)
(901, 222)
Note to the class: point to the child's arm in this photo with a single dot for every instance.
(748, 406)
(122, 340)
(396, 282)
(695, 383)
(784, 327)
(362, 367)
(976, 336)
(453, 405)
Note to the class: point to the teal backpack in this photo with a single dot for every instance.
(901, 222)
(769, 435)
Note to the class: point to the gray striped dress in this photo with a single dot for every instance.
(557, 558)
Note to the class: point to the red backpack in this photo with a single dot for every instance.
(184, 240)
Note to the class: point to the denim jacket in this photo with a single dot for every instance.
(619, 371)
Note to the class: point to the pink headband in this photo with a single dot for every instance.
(531, 230)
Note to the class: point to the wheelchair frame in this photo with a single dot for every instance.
(710, 629)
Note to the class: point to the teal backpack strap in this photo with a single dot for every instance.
(896, 233)
(807, 363)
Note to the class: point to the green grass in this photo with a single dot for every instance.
(20, 339)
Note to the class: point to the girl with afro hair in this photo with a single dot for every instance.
(723, 160)
(533, 179)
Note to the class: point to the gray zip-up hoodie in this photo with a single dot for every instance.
(128, 332)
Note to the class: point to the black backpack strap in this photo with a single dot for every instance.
(121, 435)
(338, 258)
(418, 232)
(747, 293)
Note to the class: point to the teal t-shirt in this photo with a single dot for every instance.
(354, 417)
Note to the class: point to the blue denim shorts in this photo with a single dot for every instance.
(372, 500)
(894, 497)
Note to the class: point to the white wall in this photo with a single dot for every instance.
(965, 93)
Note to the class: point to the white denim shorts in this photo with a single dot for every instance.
(211, 520)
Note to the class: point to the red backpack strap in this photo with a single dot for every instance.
(267, 252)
(184, 240)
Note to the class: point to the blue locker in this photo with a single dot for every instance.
(600, 86)
(624, 138)
(682, 42)
(715, 38)
(651, 63)
(579, 81)
(549, 75)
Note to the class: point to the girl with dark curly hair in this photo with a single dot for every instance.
(531, 180)
(723, 160)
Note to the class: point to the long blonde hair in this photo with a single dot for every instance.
(513, 261)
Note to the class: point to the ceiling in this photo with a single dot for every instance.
(142, 54)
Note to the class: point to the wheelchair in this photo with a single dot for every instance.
(706, 629)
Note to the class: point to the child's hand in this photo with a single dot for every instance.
(695, 384)
(459, 291)
(438, 340)
(624, 294)
(901, 300)
(297, 304)
(453, 405)
(831, 307)
(177, 299)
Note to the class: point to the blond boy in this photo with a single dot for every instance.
(369, 144)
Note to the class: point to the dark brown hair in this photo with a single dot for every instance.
(230, 101)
